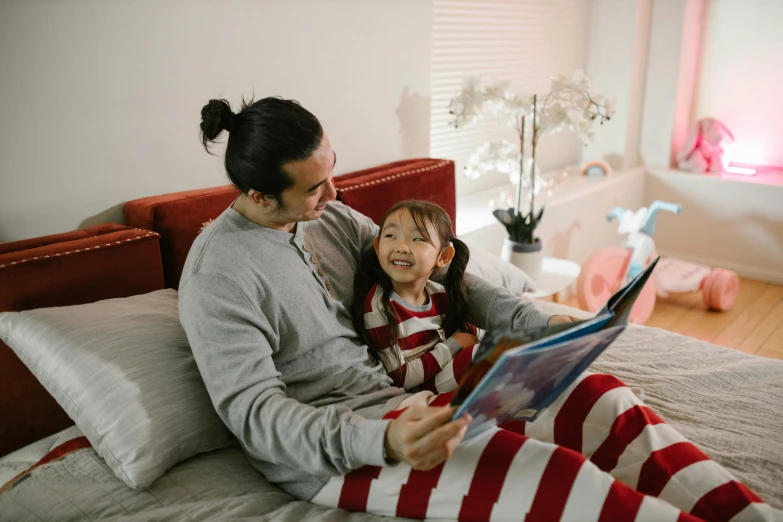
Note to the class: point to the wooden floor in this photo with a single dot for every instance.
(753, 325)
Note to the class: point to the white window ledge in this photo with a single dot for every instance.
(773, 178)
(474, 212)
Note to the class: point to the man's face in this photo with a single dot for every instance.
(313, 185)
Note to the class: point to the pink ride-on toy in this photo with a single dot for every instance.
(610, 268)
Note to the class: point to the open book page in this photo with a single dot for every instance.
(502, 395)
(495, 344)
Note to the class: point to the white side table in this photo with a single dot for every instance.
(556, 276)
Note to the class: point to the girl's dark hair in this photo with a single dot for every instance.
(263, 136)
(370, 273)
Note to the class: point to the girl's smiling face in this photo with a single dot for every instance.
(406, 253)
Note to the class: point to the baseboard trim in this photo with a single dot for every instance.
(748, 272)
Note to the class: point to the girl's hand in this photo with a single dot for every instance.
(466, 340)
(559, 319)
(423, 437)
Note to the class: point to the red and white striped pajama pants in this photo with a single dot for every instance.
(597, 454)
(448, 377)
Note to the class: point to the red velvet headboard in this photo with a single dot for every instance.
(373, 191)
(114, 260)
(83, 266)
(178, 217)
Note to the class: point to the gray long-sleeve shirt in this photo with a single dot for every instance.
(268, 317)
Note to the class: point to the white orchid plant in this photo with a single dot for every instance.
(569, 104)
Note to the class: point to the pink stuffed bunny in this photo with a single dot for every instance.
(706, 147)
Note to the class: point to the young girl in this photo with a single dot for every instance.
(417, 327)
(597, 453)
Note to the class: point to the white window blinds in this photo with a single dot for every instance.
(522, 41)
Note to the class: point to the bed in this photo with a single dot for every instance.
(727, 402)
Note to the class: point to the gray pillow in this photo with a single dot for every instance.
(499, 273)
(123, 371)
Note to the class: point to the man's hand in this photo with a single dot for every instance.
(466, 340)
(560, 319)
(423, 437)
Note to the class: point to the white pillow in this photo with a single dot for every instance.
(123, 371)
(499, 273)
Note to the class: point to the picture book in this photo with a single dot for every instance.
(517, 374)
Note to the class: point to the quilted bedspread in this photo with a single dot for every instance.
(729, 403)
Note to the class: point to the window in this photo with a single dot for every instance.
(522, 41)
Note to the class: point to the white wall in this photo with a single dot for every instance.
(724, 223)
(741, 75)
(101, 100)
(674, 52)
(616, 63)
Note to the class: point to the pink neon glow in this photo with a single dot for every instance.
(749, 151)
(740, 170)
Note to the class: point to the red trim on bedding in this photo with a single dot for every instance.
(67, 447)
